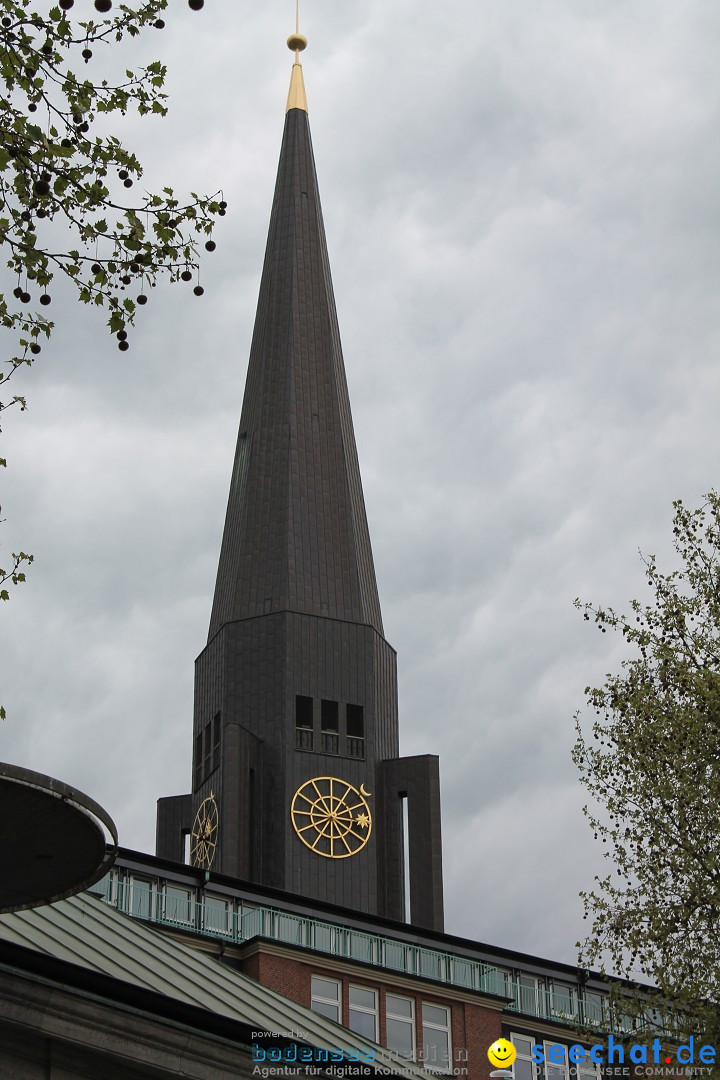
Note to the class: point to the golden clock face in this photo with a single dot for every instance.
(203, 838)
(332, 817)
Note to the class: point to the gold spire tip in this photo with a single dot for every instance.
(297, 98)
(296, 43)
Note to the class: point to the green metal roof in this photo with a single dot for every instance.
(83, 931)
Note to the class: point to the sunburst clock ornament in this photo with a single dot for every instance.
(204, 834)
(332, 817)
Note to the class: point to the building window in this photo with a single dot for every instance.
(355, 731)
(326, 997)
(556, 1061)
(327, 938)
(329, 726)
(461, 972)
(437, 1045)
(593, 1007)
(363, 1018)
(528, 988)
(329, 716)
(400, 1016)
(178, 905)
(141, 898)
(523, 1067)
(217, 915)
(563, 1000)
(623, 1021)
(287, 928)
(303, 711)
(303, 723)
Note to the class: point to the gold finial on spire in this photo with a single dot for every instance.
(297, 42)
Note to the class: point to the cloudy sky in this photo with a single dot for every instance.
(521, 201)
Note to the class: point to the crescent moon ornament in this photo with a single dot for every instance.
(367, 794)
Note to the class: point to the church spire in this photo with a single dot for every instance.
(297, 779)
(296, 535)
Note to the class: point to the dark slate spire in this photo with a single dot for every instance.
(296, 535)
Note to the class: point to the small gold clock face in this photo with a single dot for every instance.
(332, 817)
(203, 838)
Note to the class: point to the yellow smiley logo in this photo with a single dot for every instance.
(502, 1053)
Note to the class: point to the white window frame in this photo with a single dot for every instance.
(363, 1009)
(532, 992)
(225, 930)
(337, 1003)
(524, 1057)
(150, 891)
(552, 1069)
(326, 937)
(410, 1020)
(171, 916)
(445, 1069)
(603, 1006)
(565, 990)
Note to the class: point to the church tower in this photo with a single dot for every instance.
(297, 780)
